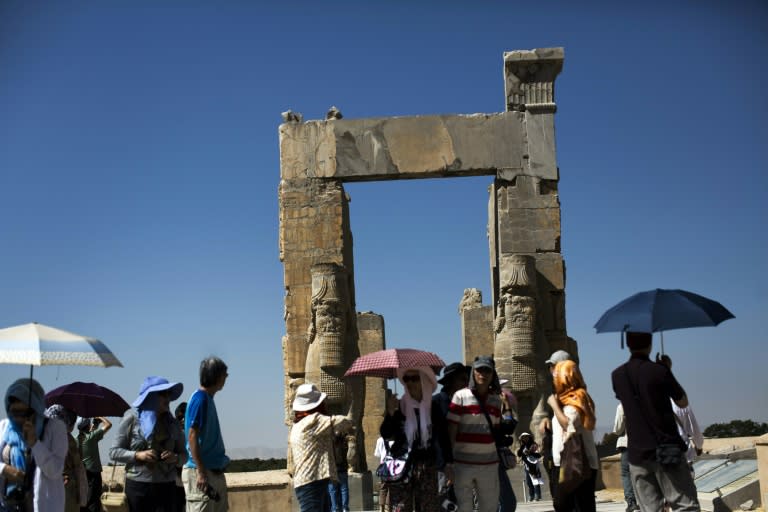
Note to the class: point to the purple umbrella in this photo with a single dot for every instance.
(87, 399)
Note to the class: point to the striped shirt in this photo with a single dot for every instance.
(474, 442)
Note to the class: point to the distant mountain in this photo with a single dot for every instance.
(257, 452)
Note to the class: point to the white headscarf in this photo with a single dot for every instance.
(408, 404)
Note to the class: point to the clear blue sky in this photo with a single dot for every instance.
(139, 168)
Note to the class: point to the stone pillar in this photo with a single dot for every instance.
(528, 271)
(761, 445)
(370, 327)
(476, 326)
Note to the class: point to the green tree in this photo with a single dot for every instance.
(736, 428)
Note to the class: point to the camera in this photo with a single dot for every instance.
(449, 506)
(211, 493)
(15, 501)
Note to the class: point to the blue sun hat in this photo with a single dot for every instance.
(156, 384)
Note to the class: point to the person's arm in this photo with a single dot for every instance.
(105, 424)
(194, 450)
(619, 421)
(562, 419)
(121, 449)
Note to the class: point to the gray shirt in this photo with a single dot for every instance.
(130, 439)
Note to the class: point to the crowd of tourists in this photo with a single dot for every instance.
(440, 450)
(446, 450)
(173, 462)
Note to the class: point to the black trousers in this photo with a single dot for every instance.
(581, 499)
(150, 496)
(93, 503)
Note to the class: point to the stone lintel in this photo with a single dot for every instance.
(404, 147)
(530, 78)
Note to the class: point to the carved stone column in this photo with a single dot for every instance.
(515, 325)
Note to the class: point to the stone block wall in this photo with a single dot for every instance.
(370, 327)
(476, 332)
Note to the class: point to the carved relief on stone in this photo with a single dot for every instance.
(473, 298)
(530, 79)
(515, 325)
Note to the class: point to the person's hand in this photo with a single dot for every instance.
(12, 474)
(29, 432)
(449, 474)
(202, 480)
(169, 457)
(553, 402)
(146, 456)
(392, 404)
(545, 425)
(66, 479)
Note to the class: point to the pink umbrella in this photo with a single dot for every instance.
(384, 363)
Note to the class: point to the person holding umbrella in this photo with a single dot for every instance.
(90, 432)
(645, 389)
(413, 423)
(151, 445)
(27, 441)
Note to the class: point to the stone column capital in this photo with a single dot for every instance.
(529, 78)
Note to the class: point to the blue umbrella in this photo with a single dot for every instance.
(662, 310)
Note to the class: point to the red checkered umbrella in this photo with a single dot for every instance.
(384, 363)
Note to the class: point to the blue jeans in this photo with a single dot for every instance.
(339, 492)
(507, 498)
(313, 497)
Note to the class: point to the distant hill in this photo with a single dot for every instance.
(257, 452)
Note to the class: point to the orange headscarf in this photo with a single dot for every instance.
(571, 390)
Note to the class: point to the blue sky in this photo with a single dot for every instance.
(139, 167)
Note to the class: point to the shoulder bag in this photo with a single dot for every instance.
(395, 469)
(574, 465)
(506, 458)
(114, 499)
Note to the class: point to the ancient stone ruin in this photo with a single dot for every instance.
(526, 321)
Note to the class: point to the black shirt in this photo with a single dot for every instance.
(645, 389)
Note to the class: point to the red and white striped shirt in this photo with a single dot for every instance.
(474, 442)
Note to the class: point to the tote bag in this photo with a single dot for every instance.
(114, 499)
(574, 465)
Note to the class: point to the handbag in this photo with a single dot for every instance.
(507, 458)
(574, 465)
(114, 499)
(669, 454)
(395, 469)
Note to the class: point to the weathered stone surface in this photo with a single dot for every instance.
(528, 216)
(314, 224)
(370, 327)
(476, 332)
(530, 78)
(403, 147)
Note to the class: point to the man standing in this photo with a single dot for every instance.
(91, 431)
(473, 417)
(203, 475)
(645, 389)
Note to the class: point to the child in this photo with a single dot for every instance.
(529, 453)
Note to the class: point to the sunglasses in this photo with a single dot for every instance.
(411, 378)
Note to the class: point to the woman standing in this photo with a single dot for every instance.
(27, 441)
(151, 445)
(412, 423)
(75, 481)
(575, 415)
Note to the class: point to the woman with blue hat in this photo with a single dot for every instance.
(32, 452)
(151, 445)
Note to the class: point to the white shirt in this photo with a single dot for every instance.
(49, 454)
(688, 428)
(574, 426)
(620, 427)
